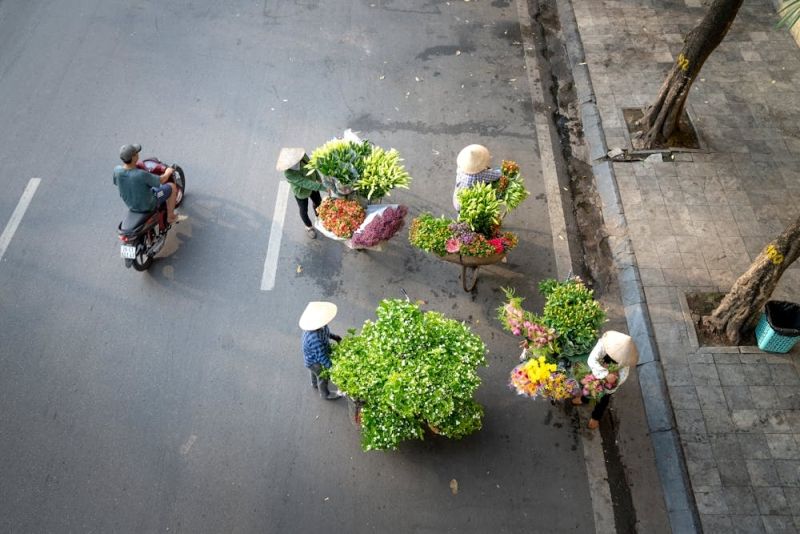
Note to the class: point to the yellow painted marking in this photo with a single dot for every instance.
(683, 62)
(774, 255)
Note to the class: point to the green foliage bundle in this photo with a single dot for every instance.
(410, 369)
(340, 159)
(382, 172)
(571, 310)
(430, 234)
(568, 325)
(480, 208)
(510, 187)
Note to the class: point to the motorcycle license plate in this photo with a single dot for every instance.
(128, 252)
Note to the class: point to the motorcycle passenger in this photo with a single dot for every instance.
(142, 191)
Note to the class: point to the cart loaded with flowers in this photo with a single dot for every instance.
(408, 372)
(476, 237)
(358, 176)
(556, 343)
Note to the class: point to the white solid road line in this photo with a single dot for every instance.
(16, 217)
(275, 235)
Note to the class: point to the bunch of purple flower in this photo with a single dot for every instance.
(462, 232)
(382, 227)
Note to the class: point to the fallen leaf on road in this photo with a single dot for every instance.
(454, 486)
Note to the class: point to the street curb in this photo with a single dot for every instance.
(555, 182)
(670, 462)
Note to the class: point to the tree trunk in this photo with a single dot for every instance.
(661, 119)
(751, 291)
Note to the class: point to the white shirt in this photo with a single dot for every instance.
(595, 363)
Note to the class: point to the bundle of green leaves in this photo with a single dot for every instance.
(340, 159)
(510, 187)
(430, 234)
(569, 322)
(410, 369)
(382, 172)
(570, 309)
(480, 208)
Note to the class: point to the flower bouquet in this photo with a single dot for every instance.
(338, 218)
(381, 223)
(566, 329)
(594, 387)
(352, 166)
(570, 310)
(340, 162)
(538, 378)
(510, 188)
(445, 236)
(537, 339)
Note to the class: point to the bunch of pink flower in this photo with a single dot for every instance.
(538, 335)
(595, 388)
(514, 318)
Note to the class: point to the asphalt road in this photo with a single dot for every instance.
(176, 400)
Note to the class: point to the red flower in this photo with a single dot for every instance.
(497, 243)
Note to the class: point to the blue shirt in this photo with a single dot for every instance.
(135, 188)
(317, 347)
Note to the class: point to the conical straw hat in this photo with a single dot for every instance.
(473, 158)
(317, 315)
(620, 348)
(288, 157)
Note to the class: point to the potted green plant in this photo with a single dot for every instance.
(410, 370)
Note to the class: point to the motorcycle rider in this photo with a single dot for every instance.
(142, 191)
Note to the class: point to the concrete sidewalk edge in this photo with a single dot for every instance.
(671, 464)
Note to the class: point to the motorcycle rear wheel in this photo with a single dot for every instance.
(142, 261)
(180, 181)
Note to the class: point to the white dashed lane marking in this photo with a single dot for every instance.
(16, 217)
(275, 235)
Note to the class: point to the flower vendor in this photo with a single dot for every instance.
(472, 167)
(317, 345)
(291, 161)
(609, 365)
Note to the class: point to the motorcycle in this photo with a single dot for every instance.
(143, 234)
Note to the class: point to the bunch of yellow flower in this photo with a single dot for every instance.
(559, 387)
(537, 378)
(538, 370)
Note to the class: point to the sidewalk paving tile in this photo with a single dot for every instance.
(771, 500)
(763, 473)
(789, 473)
(747, 524)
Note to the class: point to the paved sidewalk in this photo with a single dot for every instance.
(696, 224)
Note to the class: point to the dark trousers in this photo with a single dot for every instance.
(600, 407)
(302, 203)
(317, 381)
